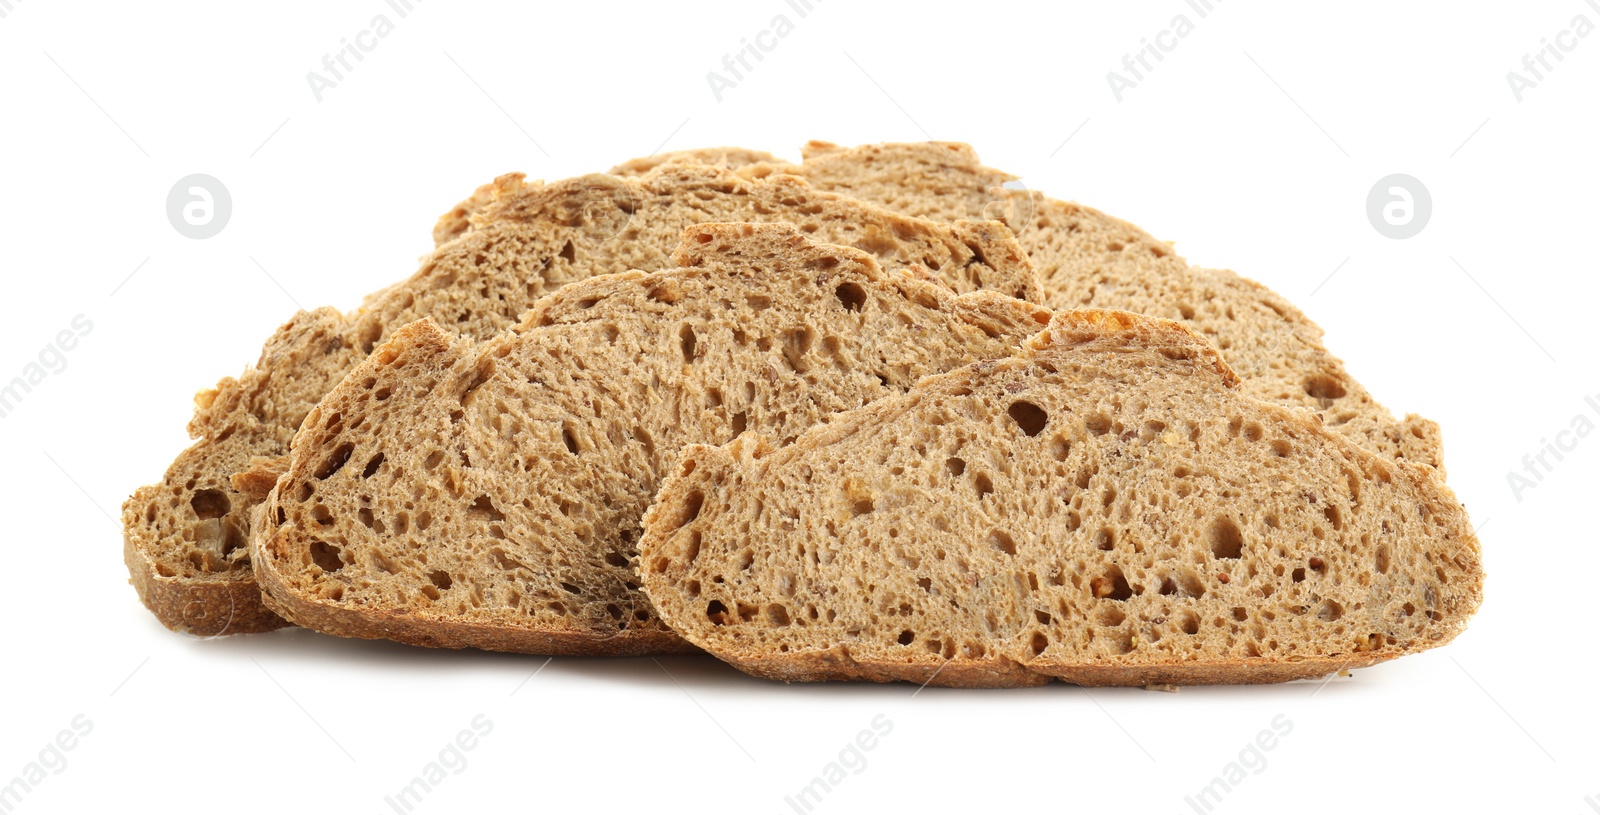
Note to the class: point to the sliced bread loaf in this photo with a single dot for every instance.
(450, 495)
(1087, 259)
(1107, 508)
(183, 537)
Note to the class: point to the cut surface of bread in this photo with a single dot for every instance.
(183, 537)
(1107, 507)
(451, 495)
(1087, 259)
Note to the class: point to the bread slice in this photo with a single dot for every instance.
(1106, 508)
(183, 537)
(449, 495)
(1087, 259)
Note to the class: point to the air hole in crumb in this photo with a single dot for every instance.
(1038, 643)
(326, 556)
(1098, 424)
(569, 440)
(483, 508)
(1331, 512)
(1381, 560)
(1060, 448)
(209, 504)
(984, 485)
(851, 296)
(1105, 539)
(1323, 386)
(1002, 541)
(686, 342)
(1111, 585)
(1298, 575)
(906, 638)
(955, 465)
(1190, 623)
(441, 579)
(1330, 611)
(1028, 416)
(335, 461)
(717, 613)
(1226, 539)
(372, 466)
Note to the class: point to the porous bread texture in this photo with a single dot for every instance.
(183, 537)
(451, 496)
(651, 210)
(730, 158)
(1087, 259)
(1106, 508)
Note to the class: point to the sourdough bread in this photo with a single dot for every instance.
(183, 537)
(1106, 508)
(449, 495)
(1087, 259)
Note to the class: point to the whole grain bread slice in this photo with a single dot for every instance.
(184, 537)
(1087, 259)
(1107, 507)
(449, 495)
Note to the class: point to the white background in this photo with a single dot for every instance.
(1253, 145)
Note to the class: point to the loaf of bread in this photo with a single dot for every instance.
(1087, 259)
(1107, 507)
(184, 537)
(452, 495)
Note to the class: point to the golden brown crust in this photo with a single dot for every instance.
(205, 608)
(442, 632)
